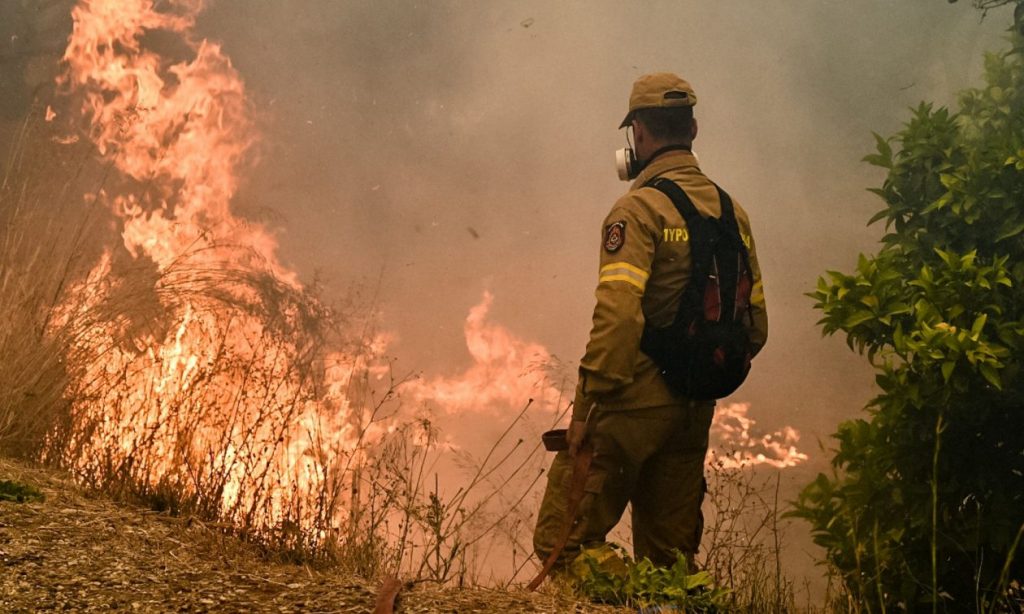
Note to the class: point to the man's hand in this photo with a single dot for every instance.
(577, 428)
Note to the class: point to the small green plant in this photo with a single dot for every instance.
(18, 492)
(620, 580)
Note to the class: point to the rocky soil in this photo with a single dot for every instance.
(78, 552)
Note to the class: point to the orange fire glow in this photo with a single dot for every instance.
(506, 371)
(230, 392)
(738, 446)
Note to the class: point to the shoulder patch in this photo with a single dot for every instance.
(614, 236)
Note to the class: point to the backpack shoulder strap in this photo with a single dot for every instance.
(679, 198)
(728, 210)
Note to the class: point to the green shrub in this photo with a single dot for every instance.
(617, 579)
(925, 508)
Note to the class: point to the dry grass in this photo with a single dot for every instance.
(742, 541)
(42, 243)
(75, 551)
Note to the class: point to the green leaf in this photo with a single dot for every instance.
(857, 318)
(979, 324)
(881, 215)
(1010, 232)
(699, 580)
(991, 376)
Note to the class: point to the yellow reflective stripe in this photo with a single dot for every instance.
(623, 271)
(627, 266)
(639, 283)
(757, 293)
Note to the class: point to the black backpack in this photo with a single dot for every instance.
(705, 353)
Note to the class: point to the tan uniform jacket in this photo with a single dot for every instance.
(642, 280)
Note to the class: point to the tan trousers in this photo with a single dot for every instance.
(652, 458)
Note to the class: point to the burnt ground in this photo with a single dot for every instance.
(79, 552)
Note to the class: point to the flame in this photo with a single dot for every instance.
(220, 389)
(506, 371)
(184, 130)
(733, 431)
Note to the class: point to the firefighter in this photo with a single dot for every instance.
(648, 441)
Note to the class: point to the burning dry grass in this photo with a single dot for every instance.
(146, 383)
(195, 372)
(210, 388)
(219, 407)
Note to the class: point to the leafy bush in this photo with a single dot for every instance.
(617, 579)
(926, 505)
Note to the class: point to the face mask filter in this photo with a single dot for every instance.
(626, 164)
(625, 161)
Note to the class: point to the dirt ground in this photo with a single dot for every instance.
(76, 552)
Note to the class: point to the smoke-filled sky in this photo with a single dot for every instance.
(457, 147)
(452, 148)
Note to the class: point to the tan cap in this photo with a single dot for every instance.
(659, 90)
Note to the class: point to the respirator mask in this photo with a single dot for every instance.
(629, 167)
(625, 161)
